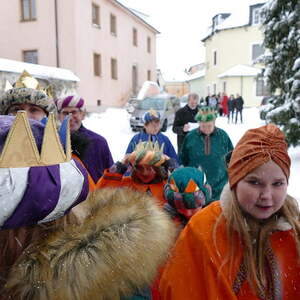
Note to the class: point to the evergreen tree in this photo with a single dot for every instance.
(281, 29)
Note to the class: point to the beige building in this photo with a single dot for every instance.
(107, 45)
(233, 45)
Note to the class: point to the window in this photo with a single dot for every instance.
(95, 14)
(30, 56)
(215, 88)
(256, 16)
(114, 68)
(113, 24)
(262, 89)
(134, 74)
(97, 64)
(224, 86)
(215, 58)
(148, 44)
(257, 50)
(134, 37)
(149, 75)
(28, 9)
(98, 102)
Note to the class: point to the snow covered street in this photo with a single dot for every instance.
(114, 126)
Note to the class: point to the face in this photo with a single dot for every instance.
(192, 102)
(76, 114)
(152, 127)
(262, 192)
(207, 127)
(33, 111)
(145, 173)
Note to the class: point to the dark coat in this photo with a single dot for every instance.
(182, 117)
(239, 103)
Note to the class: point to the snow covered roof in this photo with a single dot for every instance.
(40, 71)
(240, 70)
(196, 75)
(238, 18)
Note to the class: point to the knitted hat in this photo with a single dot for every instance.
(70, 101)
(27, 90)
(148, 153)
(31, 195)
(186, 190)
(151, 115)
(206, 114)
(256, 147)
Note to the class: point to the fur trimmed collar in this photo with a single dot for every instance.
(227, 196)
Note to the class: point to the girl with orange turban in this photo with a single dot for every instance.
(247, 245)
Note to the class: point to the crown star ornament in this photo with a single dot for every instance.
(20, 149)
(27, 81)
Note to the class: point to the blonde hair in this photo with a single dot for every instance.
(253, 235)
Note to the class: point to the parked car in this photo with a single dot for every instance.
(165, 104)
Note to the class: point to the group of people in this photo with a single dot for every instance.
(230, 107)
(79, 226)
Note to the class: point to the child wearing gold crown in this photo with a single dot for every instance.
(48, 252)
(206, 147)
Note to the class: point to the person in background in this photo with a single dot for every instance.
(186, 192)
(91, 148)
(206, 147)
(183, 118)
(231, 107)
(151, 132)
(239, 105)
(224, 103)
(245, 246)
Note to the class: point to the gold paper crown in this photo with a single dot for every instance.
(20, 149)
(27, 81)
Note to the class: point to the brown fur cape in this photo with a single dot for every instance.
(117, 250)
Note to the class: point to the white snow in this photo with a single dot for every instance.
(114, 126)
(240, 70)
(40, 71)
(196, 75)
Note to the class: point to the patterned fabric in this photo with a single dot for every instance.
(256, 147)
(151, 115)
(26, 95)
(72, 101)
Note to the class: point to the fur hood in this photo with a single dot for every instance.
(227, 196)
(117, 250)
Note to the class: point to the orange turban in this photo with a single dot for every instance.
(256, 147)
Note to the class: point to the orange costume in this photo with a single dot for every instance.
(118, 180)
(194, 272)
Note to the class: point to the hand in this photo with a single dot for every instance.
(186, 127)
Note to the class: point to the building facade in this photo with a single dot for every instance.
(108, 46)
(233, 46)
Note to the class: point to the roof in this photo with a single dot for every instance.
(40, 71)
(141, 16)
(237, 18)
(240, 71)
(196, 75)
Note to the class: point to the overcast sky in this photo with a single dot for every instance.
(182, 25)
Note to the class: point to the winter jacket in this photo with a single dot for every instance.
(196, 257)
(231, 104)
(208, 152)
(160, 138)
(239, 103)
(119, 180)
(182, 117)
(96, 156)
(113, 254)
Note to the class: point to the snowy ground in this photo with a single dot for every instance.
(114, 126)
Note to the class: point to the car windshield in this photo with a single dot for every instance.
(154, 103)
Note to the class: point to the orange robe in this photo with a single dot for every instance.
(118, 180)
(193, 271)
